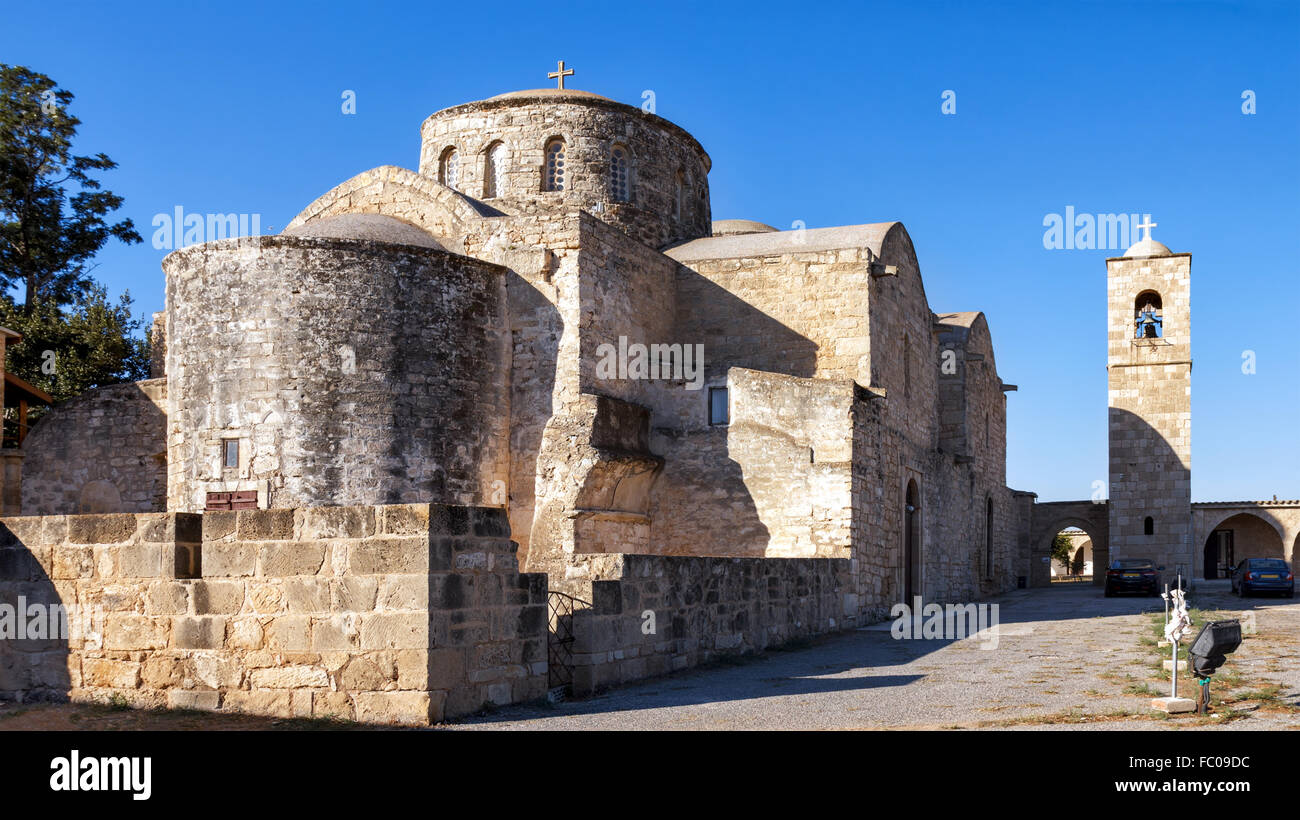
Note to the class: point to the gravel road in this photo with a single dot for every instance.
(1064, 658)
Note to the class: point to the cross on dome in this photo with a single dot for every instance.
(559, 74)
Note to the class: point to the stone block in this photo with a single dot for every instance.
(404, 519)
(217, 525)
(199, 632)
(264, 525)
(134, 632)
(400, 708)
(404, 592)
(289, 677)
(336, 633)
(307, 595)
(338, 522)
(229, 559)
(332, 705)
(205, 700)
(244, 633)
(218, 597)
(353, 593)
(272, 704)
(101, 529)
(111, 674)
(389, 555)
(1173, 706)
(395, 631)
(288, 633)
(280, 560)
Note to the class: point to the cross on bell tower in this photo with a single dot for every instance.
(1148, 225)
(559, 74)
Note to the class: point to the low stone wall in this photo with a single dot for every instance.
(653, 614)
(394, 614)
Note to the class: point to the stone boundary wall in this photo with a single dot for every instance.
(703, 609)
(394, 614)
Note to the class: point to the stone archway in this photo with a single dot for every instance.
(1236, 537)
(1050, 518)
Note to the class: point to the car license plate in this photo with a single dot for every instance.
(1272, 577)
(1132, 575)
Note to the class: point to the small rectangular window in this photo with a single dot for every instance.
(230, 452)
(718, 410)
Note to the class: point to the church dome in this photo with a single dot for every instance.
(547, 149)
(550, 92)
(1147, 247)
(371, 227)
(738, 227)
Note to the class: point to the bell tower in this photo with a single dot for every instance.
(1149, 375)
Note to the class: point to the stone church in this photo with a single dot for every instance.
(793, 439)
(431, 335)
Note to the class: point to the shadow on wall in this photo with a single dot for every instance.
(535, 331)
(1140, 458)
(35, 627)
(701, 504)
(707, 312)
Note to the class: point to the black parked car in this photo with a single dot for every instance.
(1132, 575)
(1263, 575)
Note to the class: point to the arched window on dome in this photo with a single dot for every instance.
(494, 169)
(553, 171)
(679, 194)
(620, 174)
(449, 167)
(1148, 322)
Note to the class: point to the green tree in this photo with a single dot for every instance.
(48, 233)
(54, 218)
(1061, 551)
(1076, 565)
(66, 351)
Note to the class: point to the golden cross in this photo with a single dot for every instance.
(559, 74)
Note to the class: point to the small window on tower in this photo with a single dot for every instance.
(1149, 526)
(719, 413)
(230, 452)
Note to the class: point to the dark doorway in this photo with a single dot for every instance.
(1218, 561)
(911, 547)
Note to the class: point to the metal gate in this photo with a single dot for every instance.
(559, 638)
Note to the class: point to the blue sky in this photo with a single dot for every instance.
(826, 114)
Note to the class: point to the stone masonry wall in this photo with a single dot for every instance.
(104, 451)
(397, 614)
(349, 372)
(700, 609)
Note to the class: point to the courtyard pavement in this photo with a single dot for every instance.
(1066, 657)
